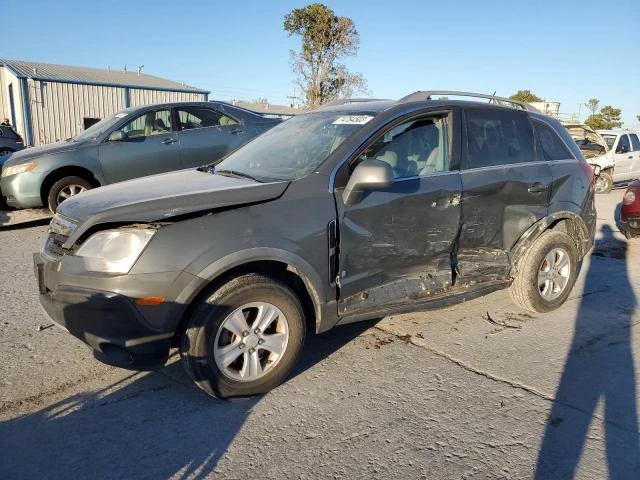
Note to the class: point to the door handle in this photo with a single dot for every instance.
(168, 141)
(538, 188)
(447, 201)
(236, 130)
(630, 156)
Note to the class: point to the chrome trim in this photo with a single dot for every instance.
(504, 165)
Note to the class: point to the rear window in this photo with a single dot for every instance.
(497, 137)
(550, 144)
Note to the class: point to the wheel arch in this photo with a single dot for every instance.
(66, 171)
(565, 221)
(290, 269)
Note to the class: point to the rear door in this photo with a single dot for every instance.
(395, 243)
(505, 190)
(207, 135)
(150, 147)
(624, 158)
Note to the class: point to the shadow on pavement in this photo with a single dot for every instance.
(599, 368)
(147, 425)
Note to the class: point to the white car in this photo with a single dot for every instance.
(626, 154)
(596, 151)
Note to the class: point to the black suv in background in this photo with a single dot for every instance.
(349, 212)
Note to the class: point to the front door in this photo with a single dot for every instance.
(395, 243)
(635, 148)
(207, 135)
(150, 146)
(505, 191)
(624, 157)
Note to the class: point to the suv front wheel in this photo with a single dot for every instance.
(245, 338)
(547, 273)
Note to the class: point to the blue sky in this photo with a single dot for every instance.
(562, 51)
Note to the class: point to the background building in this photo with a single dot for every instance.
(46, 103)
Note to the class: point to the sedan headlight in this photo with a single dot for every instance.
(16, 169)
(114, 251)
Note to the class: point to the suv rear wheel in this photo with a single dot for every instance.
(547, 273)
(5, 151)
(245, 338)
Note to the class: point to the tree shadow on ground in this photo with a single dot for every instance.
(598, 368)
(147, 425)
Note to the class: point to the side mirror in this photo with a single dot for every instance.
(622, 149)
(596, 170)
(117, 136)
(369, 175)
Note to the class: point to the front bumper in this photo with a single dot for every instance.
(23, 190)
(102, 311)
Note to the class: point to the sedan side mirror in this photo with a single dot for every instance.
(117, 136)
(370, 174)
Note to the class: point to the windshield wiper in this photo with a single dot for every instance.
(235, 173)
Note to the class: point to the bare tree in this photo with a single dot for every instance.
(326, 39)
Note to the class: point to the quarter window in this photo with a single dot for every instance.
(149, 123)
(550, 145)
(198, 117)
(416, 148)
(635, 143)
(498, 137)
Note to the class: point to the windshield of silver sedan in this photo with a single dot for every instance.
(294, 148)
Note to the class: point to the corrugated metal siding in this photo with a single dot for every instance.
(58, 109)
(144, 97)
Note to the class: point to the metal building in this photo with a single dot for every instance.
(46, 103)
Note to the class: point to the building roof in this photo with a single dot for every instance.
(93, 76)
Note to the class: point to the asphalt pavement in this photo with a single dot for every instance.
(480, 390)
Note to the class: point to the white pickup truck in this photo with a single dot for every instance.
(596, 151)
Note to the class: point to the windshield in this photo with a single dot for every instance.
(294, 148)
(610, 139)
(97, 129)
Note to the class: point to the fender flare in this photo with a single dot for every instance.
(311, 279)
(531, 235)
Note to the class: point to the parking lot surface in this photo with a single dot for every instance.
(479, 390)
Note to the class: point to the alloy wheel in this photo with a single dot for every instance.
(554, 274)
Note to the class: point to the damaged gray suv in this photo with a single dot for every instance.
(349, 212)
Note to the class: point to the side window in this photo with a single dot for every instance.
(199, 117)
(416, 148)
(635, 143)
(149, 123)
(498, 137)
(550, 144)
(623, 144)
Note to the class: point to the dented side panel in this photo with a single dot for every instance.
(499, 204)
(396, 244)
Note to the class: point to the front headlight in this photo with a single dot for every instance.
(114, 251)
(629, 197)
(16, 169)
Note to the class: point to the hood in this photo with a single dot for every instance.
(160, 197)
(28, 154)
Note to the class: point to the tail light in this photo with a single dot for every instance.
(19, 139)
(588, 171)
(629, 197)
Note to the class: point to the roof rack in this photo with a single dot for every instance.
(424, 96)
(343, 101)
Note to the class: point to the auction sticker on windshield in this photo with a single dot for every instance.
(352, 120)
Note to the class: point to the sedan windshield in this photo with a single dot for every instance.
(97, 129)
(295, 148)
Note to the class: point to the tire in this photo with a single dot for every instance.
(66, 185)
(5, 151)
(209, 331)
(604, 183)
(529, 290)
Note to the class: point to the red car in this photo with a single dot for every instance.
(630, 213)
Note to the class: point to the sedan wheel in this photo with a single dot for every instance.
(554, 274)
(69, 191)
